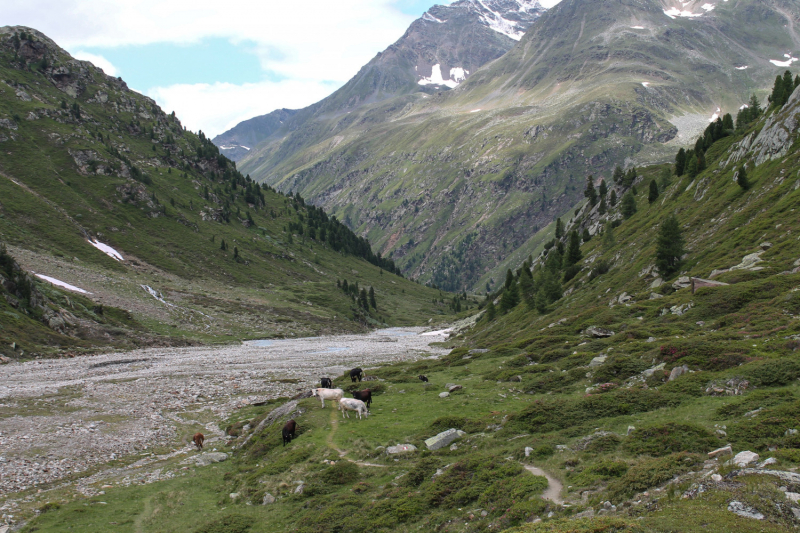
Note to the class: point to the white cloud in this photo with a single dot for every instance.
(98, 61)
(215, 108)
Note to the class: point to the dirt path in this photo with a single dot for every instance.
(554, 486)
(342, 453)
(63, 417)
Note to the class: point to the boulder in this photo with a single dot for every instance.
(655, 296)
(767, 462)
(528, 451)
(268, 499)
(677, 372)
(765, 246)
(598, 333)
(624, 298)
(444, 394)
(445, 438)
(745, 458)
(234, 495)
(749, 262)
(716, 478)
(631, 429)
(597, 361)
(719, 452)
(698, 283)
(658, 282)
(210, 458)
(744, 510)
(455, 388)
(793, 496)
(682, 282)
(401, 448)
(299, 489)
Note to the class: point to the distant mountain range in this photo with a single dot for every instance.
(449, 181)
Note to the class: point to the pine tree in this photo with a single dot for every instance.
(603, 189)
(653, 194)
(590, 192)
(586, 235)
(510, 298)
(727, 124)
(222, 245)
(235, 252)
(372, 301)
(669, 246)
(618, 175)
(554, 260)
(680, 162)
(526, 288)
(603, 207)
(664, 178)
(573, 250)
(559, 228)
(363, 301)
(509, 278)
(628, 205)
(742, 180)
(788, 86)
(540, 302)
(491, 311)
(552, 286)
(613, 198)
(691, 167)
(701, 161)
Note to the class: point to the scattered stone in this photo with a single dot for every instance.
(698, 283)
(631, 429)
(598, 333)
(651, 339)
(597, 361)
(700, 323)
(484, 513)
(658, 282)
(455, 388)
(767, 462)
(299, 489)
(722, 433)
(680, 310)
(790, 432)
(624, 298)
(731, 387)
(478, 350)
(745, 458)
(719, 452)
(765, 245)
(754, 412)
(234, 495)
(528, 451)
(793, 496)
(677, 372)
(268, 499)
(716, 478)
(749, 262)
(453, 447)
(586, 441)
(401, 448)
(682, 282)
(444, 438)
(444, 394)
(588, 513)
(210, 458)
(744, 510)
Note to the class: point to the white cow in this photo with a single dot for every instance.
(351, 404)
(327, 394)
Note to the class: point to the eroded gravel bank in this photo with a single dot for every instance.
(60, 417)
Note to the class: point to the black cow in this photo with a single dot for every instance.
(327, 383)
(289, 431)
(423, 378)
(365, 396)
(355, 374)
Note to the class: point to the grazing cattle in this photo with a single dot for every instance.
(350, 404)
(198, 440)
(288, 431)
(327, 394)
(365, 396)
(423, 378)
(327, 383)
(355, 374)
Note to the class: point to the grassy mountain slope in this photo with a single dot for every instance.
(448, 182)
(601, 415)
(84, 158)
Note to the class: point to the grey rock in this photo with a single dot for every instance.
(716, 478)
(677, 372)
(528, 451)
(658, 282)
(445, 438)
(22, 95)
(444, 394)
(401, 448)
(655, 296)
(719, 452)
(767, 462)
(631, 429)
(765, 245)
(790, 432)
(268, 499)
(8, 124)
(453, 447)
(210, 458)
(749, 262)
(744, 510)
(682, 282)
(234, 495)
(651, 339)
(300, 488)
(793, 496)
(745, 458)
(484, 513)
(597, 361)
(598, 332)
(624, 298)
(455, 388)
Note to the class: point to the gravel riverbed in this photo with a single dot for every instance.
(65, 416)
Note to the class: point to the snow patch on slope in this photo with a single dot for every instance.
(786, 63)
(498, 23)
(430, 18)
(456, 76)
(62, 284)
(106, 249)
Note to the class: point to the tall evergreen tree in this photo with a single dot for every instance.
(372, 301)
(618, 175)
(559, 228)
(612, 199)
(551, 284)
(554, 260)
(727, 124)
(363, 300)
(603, 207)
(509, 278)
(669, 246)
(573, 254)
(691, 167)
(590, 191)
(788, 86)
(628, 205)
(540, 302)
(526, 288)
(742, 180)
(603, 189)
(680, 162)
(510, 298)
(653, 194)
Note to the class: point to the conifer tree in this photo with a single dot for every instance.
(509, 279)
(235, 252)
(727, 124)
(510, 298)
(559, 228)
(669, 246)
(586, 235)
(742, 180)
(613, 198)
(618, 175)
(372, 301)
(491, 311)
(573, 250)
(691, 167)
(653, 194)
(526, 288)
(603, 207)
(551, 285)
(680, 162)
(363, 301)
(590, 192)
(628, 205)
(222, 245)
(788, 86)
(603, 189)
(540, 302)
(701, 161)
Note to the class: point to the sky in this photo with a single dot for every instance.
(218, 63)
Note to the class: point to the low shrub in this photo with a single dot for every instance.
(603, 444)
(651, 473)
(768, 428)
(757, 399)
(774, 373)
(672, 437)
(342, 473)
(232, 523)
(618, 368)
(584, 525)
(423, 470)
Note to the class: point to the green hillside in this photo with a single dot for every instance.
(84, 159)
(617, 388)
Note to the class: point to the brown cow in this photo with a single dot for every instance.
(289, 431)
(198, 441)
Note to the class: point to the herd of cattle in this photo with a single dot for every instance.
(360, 403)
